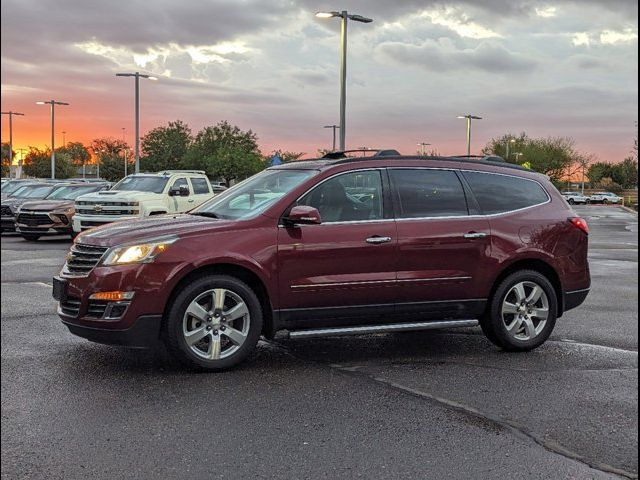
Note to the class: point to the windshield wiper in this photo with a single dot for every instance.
(205, 214)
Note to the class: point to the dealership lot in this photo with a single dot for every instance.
(435, 404)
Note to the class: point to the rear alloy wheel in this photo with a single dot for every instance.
(214, 323)
(572, 201)
(522, 313)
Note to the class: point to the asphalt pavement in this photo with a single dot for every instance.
(439, 405)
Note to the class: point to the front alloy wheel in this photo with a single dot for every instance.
(214, 322)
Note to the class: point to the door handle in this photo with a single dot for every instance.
(377, 240)
(191, 200)
(475, 235)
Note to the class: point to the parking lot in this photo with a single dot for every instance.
(438, 404)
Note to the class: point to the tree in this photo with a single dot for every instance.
(6, 159)
(37, 163)
(110, 154)
(164, 147)
(551, 156)
(224, 151)
(599, 170)
(625, 173)
(78, 153)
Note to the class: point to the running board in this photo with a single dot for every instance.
(391, 327)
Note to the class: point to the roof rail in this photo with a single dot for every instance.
(171, 172)
(486, 158)
(378, 153)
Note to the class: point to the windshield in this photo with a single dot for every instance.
(35, 192)
(142, 183)
(254, 195)
(11, 187)
(71, 192)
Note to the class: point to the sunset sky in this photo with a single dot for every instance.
(563, 68)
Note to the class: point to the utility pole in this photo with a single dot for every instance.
(11, 114)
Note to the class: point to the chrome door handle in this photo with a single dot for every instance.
(191, 200)
(475, 235)
(376, 240)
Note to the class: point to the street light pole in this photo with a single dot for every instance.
(11, 114)
(422, 145)
(345, 17)
(137, 76)
(64, 140)
(53, 104)
(333, 127)
(469, 118)
(511, 140)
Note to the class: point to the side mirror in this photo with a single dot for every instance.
(303, 215)
(173, 191)
(184, 191)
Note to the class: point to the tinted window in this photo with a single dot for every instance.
(200, 185)
(429, 193)
(181, 182)
(72, 192)
(502, 193)
(141, 183)
(348, 197)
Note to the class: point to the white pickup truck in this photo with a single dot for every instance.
(142, 195)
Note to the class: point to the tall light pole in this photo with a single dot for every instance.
(345, 16)
(469, 118)
(333, 127)
(510, 141)
(53, 104)
(137, 76)
(124, 147)
(64, 139)
(422, 145)
(11, 114)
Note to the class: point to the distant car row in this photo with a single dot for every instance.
(575, 198)
(38, 208)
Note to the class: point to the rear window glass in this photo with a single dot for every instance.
(502, 193)
(429, 193)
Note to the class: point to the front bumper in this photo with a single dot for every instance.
(8, 223)
(144, 333)
(84, 222)
(53, 229)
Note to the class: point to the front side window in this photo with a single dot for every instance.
(504, 193)
(142, 183)
(200, 186)
(350, 197)
(429, 193)
(254, 195)
(180, 182)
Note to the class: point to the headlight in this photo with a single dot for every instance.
(137, 253)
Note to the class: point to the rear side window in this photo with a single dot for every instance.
(502, 193)
(429, 193)
(200, 185)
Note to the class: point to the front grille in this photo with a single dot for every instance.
(70, 306)
(5, 211)
(96, 308)
(83, 258)
(89, 207)
(34, 219)
(108, 204)
(84, 211)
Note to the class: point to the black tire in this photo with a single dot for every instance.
(605, 201)
(587, 202)
(492, 323)
(30, 237)
(572, 201)
(172, 324)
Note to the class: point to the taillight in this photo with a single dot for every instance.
(580, 223)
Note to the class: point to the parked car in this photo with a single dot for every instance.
(53, 215)
(27, 191)
(574, 198)
(335, 246)
(143, 195)
(605, 197)
(11, 186)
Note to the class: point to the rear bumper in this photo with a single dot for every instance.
(575, 299)
(144, 333)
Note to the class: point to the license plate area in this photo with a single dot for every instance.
(59, 289)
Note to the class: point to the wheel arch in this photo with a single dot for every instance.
(539, 266)
(234, 270)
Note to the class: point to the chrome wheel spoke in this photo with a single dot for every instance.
(197, 311)
(529, 328)
(214, 347)
(515, 325)
(234, 313)
(509, 308)
(194, 336)
(518, 289)
(534, 296)
(541, 313)
(219, 296)
(236, 336)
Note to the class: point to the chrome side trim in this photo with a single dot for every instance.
(391, 327)
(375, 282)
(435, 279)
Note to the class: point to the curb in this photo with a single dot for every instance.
(629, 209)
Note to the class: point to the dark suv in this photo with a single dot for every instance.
(335, 246)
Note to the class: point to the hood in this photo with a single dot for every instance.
(47, 205)
(148, 228)
(117, 196)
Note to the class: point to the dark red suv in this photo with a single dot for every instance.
(332, 247)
